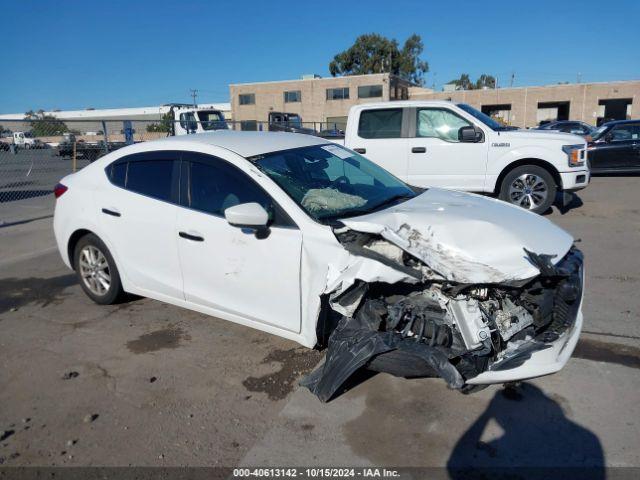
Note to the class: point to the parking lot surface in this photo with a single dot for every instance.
(145, 383)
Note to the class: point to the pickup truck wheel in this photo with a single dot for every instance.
(530, 187)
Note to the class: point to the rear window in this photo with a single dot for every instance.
(151, 178)
(383, 123)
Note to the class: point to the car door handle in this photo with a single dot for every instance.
(113, 213)
(419, 150)
(189, 236)
(360, 150)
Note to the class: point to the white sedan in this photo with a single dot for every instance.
(308, 240)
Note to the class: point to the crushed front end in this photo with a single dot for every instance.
(468, 333)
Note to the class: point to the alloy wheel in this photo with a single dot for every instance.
(528, 191)
(94, 270)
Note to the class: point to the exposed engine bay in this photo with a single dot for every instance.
(435, 325)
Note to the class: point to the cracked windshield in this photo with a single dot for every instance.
(331, 182)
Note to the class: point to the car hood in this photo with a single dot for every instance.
(545, 135)
(467, 238)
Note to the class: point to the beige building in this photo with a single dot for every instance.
(328, 100)
(325, 101)
(528, 106)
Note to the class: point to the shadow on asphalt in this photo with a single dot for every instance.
(524, 428)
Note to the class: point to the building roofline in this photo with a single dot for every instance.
(343, 77)
(542, 86)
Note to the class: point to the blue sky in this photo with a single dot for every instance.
(78, 54)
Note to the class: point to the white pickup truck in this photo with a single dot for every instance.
(443, 144)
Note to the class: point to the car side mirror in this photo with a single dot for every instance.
(247, 215)
(469, 135)
(608, 137)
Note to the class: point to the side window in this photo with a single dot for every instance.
(151, 177)
(188, 121)
(215, 185)
(439, 123)
(627, 131)
(383, 123)
(118, 173)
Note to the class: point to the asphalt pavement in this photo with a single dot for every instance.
(145, 383)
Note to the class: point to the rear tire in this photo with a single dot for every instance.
(97, 271)
(530, 187)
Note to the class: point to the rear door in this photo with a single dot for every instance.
(436, 156)
(381, 137)
(254, 275)
(138, 213)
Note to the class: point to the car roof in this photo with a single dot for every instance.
(619, 122)
(248, 144)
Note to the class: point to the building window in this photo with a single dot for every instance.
(370, 91)
(292, 96)
(341, 93)
(249, 125)
(247, 98)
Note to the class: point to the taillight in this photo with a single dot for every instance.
(59, 189)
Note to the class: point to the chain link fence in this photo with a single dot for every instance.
(36, 154)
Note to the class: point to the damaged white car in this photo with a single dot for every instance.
(311, 241)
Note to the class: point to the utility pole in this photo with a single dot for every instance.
(194, 94)
(579, 77)
(513, 76)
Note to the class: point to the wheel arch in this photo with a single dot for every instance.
(73, 241)
(529, 161)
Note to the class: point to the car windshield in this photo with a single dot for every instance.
(598, 132)
(484, 118)
(212, 120)
(330, 182)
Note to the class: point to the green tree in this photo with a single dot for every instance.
(463, 83)
(486, 81)
(483, 81)
(45, 125)
(374, 53)
(164, 125)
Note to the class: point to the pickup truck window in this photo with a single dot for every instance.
(381, 123)
(439, 123)
(330, 182)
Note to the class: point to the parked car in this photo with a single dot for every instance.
(287, 122)
(615, 147)
(4, 147)
(310, 241)
(568, 126)
(442, 144)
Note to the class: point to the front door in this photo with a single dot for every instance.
(436, 156)
(252, 274)
(619, 149)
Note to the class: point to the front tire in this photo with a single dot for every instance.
(530, 187)
(97, 271)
